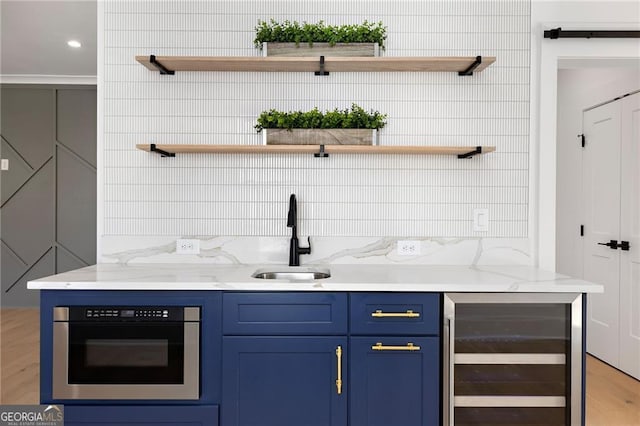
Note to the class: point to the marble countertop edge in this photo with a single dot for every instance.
(353, 278)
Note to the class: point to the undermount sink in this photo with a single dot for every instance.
(292, 274)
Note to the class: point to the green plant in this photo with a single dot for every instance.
(354, 118)
(293, 32)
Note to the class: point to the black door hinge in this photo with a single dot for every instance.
(581, 139)
(582, 230)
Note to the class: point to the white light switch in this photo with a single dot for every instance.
(480, 220)
(4, 164)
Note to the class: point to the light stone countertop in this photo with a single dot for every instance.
(387, 278)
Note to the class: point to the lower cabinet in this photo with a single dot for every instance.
(293, 381)
(358, 359)
(293, 359)
(394, 381)
(125, 415)
(284, 380)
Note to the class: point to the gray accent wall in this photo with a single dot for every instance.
(48, 195)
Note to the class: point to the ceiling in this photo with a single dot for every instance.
(34, 35)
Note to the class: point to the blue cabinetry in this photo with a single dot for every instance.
(394, 381)
(275, 373)
(283, 359)
(395, 359)
(395, 313)
(284, 381)
(278, 314)
(128, 415)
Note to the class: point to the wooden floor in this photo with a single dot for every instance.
(19, 356)
(613, 398)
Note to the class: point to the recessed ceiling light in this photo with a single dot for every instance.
(74, 43)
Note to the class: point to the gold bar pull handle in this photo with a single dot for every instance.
(409, 347)
(339, 379)
(409, 314)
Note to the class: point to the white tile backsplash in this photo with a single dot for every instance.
(357, 196)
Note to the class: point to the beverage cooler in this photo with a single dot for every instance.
(512, 359)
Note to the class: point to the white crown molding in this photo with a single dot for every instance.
(48, 79)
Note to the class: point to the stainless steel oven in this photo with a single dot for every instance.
(126, 352)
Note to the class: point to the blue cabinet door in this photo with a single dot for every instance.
(395, 314)
(392, 384)
(137, 415)
(284, 314)
(284, 381)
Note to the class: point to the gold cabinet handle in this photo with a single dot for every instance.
(409, 314)
(409, 347)
(339, 379)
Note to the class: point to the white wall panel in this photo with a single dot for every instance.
(350, 195)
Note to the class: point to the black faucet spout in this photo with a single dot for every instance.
(292, 217)
(293, 211)
(292, 222)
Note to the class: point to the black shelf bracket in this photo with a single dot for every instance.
(322, 153)
(470, 154)
(322, 70)
(472, 67)
(557, 33)
(163, 70)
(162, 152)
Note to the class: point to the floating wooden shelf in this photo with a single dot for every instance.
(462, 65)
(322, 150)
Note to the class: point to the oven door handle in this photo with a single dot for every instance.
(61, 313)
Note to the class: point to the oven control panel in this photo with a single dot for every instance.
(126, 313)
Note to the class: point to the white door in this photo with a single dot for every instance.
(630, 231)
(601, 210)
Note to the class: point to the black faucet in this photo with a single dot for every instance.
(292, 222)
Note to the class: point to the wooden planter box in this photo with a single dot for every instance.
(320, 49)
(320, 136)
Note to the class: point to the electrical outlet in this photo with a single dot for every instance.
(184, 246)
(408, 248)
(4, 164)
